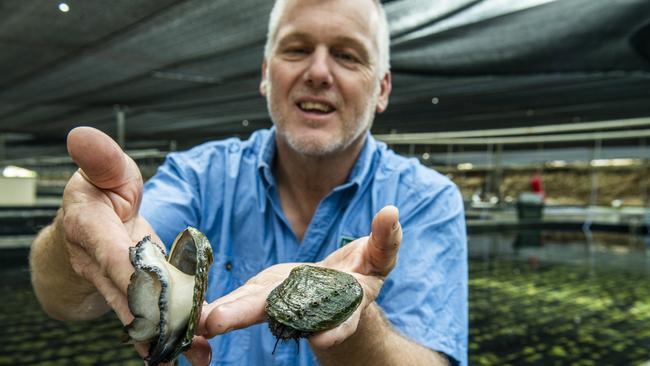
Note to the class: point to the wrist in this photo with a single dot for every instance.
(371, 334)
(59, 289)
(373, 328)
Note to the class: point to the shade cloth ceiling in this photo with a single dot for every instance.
(188, 70)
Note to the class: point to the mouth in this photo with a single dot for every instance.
(316, 107)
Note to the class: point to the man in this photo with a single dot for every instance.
(296, 193)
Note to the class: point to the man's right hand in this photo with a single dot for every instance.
(100, 219)
(80, 263)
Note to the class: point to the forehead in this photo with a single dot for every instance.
(330, 20)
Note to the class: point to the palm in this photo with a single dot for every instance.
(369, 259)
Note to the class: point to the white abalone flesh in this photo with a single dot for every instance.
(165, 294)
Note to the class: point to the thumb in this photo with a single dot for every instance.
(384, 241)
(101, 159)
(107, 167)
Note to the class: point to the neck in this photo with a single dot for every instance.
(303, 181)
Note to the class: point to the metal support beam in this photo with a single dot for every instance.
(519, 140)
(478, 137)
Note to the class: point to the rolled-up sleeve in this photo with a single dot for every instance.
(170, 201)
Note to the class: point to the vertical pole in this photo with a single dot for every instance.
(3, 148)
(498, 172)
(540, 156)
(593, 199)
(643, 172)
(594, 173)
(121, 125)
(488, 169)
(488, 178)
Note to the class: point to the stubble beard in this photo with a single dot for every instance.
(312, 146)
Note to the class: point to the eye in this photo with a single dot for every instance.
(296, 50)
(346, 56)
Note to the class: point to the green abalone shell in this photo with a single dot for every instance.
(312, 299)
(165, 294)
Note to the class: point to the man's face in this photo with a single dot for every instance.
(321, 80)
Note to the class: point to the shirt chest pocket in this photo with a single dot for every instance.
(226, 275)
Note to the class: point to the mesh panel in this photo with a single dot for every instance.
(186, 68)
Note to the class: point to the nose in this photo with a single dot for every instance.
(318, 73)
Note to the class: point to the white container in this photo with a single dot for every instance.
(17, 191)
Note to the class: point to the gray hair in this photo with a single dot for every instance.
(382, 36)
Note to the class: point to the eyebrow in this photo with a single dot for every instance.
(294, 36)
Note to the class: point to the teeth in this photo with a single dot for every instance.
(311, 106)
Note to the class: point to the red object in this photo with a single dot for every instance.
(536, 185)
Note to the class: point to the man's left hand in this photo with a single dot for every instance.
(370, 259)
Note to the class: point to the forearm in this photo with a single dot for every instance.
(376, 343)
(62, 293)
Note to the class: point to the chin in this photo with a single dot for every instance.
(315, 146)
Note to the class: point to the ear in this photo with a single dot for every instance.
(385, 86)
(264, 79)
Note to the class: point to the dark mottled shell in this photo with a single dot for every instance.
(312, 299)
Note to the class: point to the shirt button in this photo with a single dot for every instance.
(234, 148)
(228, 266)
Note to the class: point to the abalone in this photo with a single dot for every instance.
(165, 294)
(311, 299)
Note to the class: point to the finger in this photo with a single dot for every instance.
(384, 241)
(200, 353)
(207, 309)
(111, 295)
(215, 317)
(239, 292)
(100, 157)
(142, 349)
(104, 165)
(139, 227)
(240, 313)
(332, 337)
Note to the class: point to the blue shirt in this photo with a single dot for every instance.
(227, 190)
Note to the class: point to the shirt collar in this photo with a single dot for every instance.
(358, 174)
(265, 158)
(363, 165)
